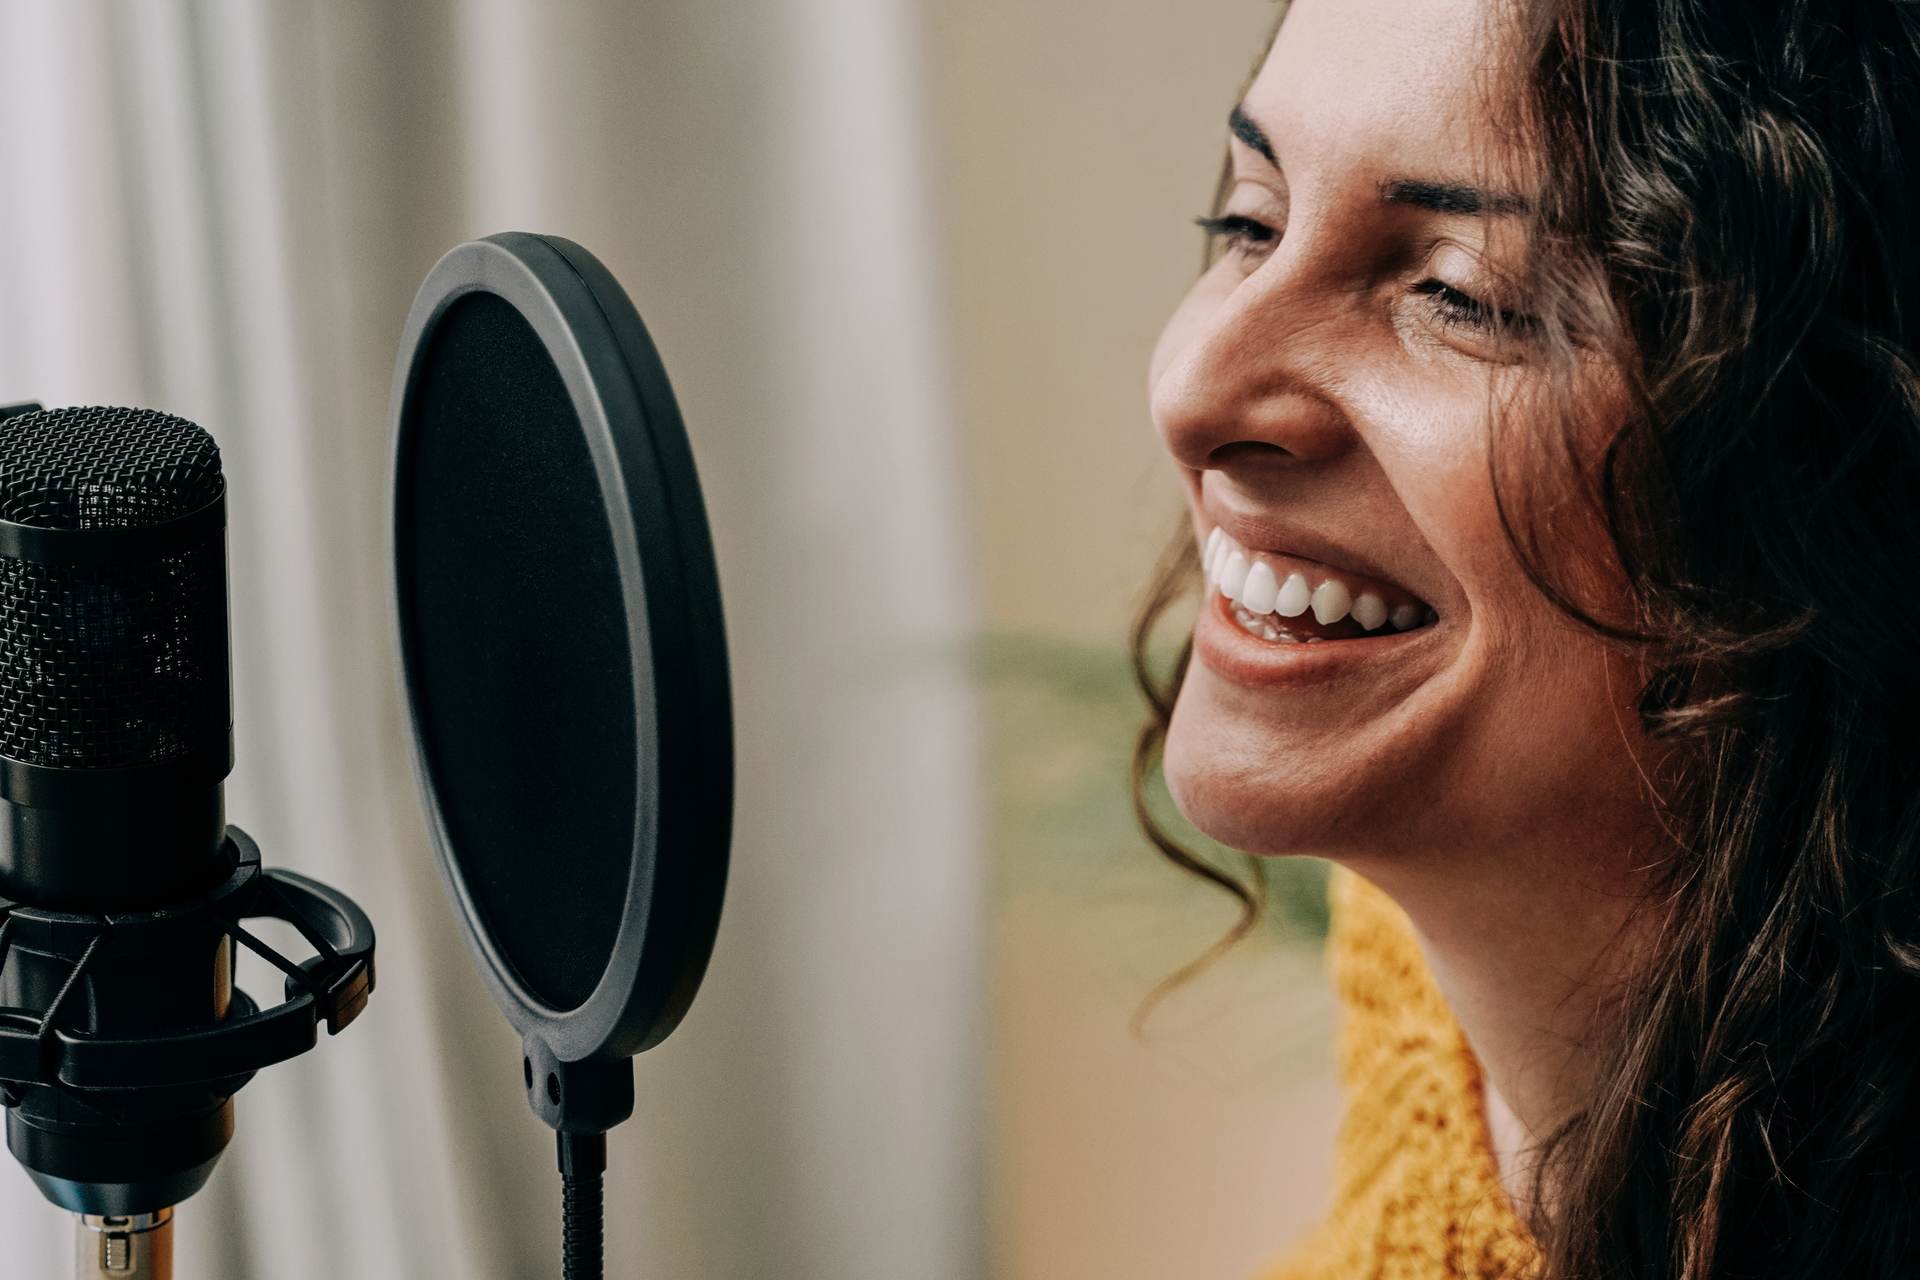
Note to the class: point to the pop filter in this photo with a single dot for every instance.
(563, 662)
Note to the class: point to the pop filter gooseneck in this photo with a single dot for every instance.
(564, 666)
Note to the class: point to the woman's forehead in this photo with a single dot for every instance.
(1385, 90)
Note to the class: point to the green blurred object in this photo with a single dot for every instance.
(1062, 717)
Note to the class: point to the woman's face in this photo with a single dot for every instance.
(1389, 685)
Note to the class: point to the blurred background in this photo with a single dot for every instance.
(904, 260)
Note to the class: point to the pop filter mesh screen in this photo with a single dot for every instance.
(516, 647)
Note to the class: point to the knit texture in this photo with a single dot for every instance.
(1416, 1192)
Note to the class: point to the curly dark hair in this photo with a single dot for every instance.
(1730, 215)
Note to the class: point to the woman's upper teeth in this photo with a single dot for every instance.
(1266, 582)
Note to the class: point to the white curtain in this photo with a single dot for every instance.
(221, 208)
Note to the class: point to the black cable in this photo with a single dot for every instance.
(583, 1158)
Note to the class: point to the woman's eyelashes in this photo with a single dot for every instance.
(1248, 237)
(1453, 306)
(1253, 241)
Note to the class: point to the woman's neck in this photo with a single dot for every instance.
(1531, 951)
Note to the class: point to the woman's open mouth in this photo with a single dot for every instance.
(1288, 600)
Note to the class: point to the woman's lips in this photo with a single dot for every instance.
(1229, 650)
(1317, 640)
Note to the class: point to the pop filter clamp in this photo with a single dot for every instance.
(563, 662)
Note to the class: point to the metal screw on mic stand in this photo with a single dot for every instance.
(132, 1247)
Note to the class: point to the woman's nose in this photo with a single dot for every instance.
(1252, 377)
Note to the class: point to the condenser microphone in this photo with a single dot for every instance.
(122, 888)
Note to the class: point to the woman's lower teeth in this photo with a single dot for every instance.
(1304, 630)
(1269, 626)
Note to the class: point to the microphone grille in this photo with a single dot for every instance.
(110, 666)
(104, 468)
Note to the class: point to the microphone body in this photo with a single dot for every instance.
(122, 889)
(115, 734)
(115, 707)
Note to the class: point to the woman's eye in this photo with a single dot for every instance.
(1246, 236)
(1453, 306)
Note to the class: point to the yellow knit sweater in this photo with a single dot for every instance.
(1416, 1193)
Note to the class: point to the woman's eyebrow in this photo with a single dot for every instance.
(1250, 133)
(1450, 197)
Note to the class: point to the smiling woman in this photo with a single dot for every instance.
(1550, 424)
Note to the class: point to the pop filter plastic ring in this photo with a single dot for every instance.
(668, 598)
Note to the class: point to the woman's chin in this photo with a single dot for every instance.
(1229, 789)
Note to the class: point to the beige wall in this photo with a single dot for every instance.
(1080, 141)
